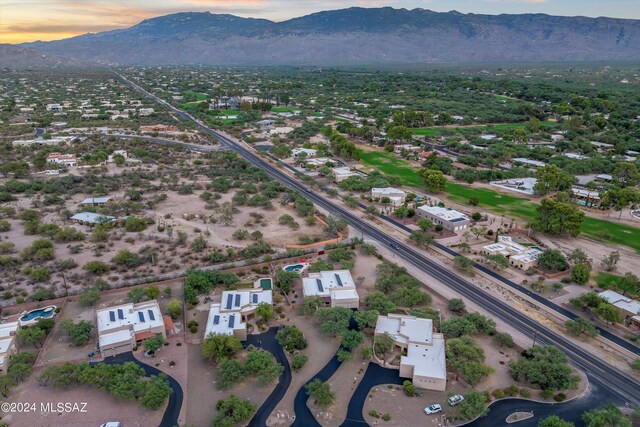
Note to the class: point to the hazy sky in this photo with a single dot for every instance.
(30, 20)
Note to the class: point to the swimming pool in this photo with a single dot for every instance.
(32, 316)
(298, 268)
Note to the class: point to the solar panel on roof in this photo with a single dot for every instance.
(319, 283)
(232, 321)
(151, 315)
(237, 304)
(120, 314)
(229, 301)
(112, 316)
(254, 298)
(141, 316)
(216, 319)
(338, 279)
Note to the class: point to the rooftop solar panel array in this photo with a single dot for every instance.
(216, 319)
(141, 316)
(120, 314)
(229, 301)
(338, 279)
(319, 283)
(237, 304)
(112, 316)
(151, 315)
(232, 321)
(254, 298)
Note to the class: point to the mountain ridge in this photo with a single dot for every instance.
(356, 36)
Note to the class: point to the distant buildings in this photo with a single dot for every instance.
(43, 141)
(68, 160)
(425, 361)
(230, 315)
(54, 107)
(122, 327)
(396, 196)
(449, 219)
(528, 162)
(397, 149)
(335, 287)
(343, 173)
(90, 218)
(158, 128)
(308, 152)
(8, 346)
(96, 201)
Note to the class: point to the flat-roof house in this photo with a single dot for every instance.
(96, 201)
(450, 219)
(121, 327)
(520, 256)
(266, 123)
(309, 152)
(8, 345)
(54, 107)
(397, 149)
(425, 361)
(68, 160)
(343, 173)
(528, 162)
(230, 315)
(92, 218)
(396, 196)
(629, 308)
(225, 323)
(335, 287)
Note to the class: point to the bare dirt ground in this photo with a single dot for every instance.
(201, 380)
(185, 213)
(319, 351)
(100, 407)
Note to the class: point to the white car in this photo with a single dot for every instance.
(111, 424)
(433, 409)
(454, 400)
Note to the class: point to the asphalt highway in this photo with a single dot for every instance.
(616, 383)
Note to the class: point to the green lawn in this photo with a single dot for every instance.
(501, 203)
(502, 127)
(606, 280)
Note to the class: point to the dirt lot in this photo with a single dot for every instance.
(100, 407)
(185, 213)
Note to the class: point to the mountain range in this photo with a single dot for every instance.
(355, 36)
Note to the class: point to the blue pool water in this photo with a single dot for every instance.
(296, 267)
(37, 313)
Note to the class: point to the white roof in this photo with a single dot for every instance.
(220, 323)
(528, 256)
(624, 303)
(322, 283)
(575, 156)
(427, 360)
(344, 294)
(140, 317)
(343, 171)
(245, 300)
(425, 349)
(406, 329)
(92, 200)
(116, 337)
(93, 217)
(528, 161)
(387, 190)
(444, 213)
(308, 151)
(6, 329)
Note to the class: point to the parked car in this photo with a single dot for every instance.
(455, 400)
(433, 409)
(111, 424)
